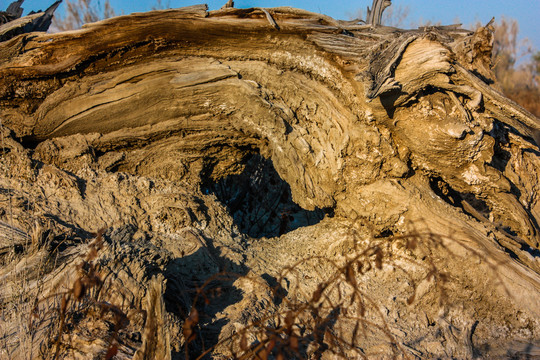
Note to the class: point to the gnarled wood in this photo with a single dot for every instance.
(128, 122)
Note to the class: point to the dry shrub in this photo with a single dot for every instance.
(529, 98)
(86, 298)
(322, 304)
(80, 12)
(336, 314)
(516, 65)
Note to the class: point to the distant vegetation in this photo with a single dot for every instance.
(519, 79)
(516, 63)
(80, 12)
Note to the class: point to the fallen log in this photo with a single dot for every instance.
(133, 121)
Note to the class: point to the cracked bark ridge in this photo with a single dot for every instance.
(123, 122)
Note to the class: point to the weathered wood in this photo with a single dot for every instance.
(374, 15)
(12, 25)
(11, 237)
(128, 122)
(13, 11)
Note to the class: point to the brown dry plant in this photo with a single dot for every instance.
(333, 316)
(80, 12)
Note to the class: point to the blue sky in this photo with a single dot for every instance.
(444, 11)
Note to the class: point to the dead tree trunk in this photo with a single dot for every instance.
(390, 130)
